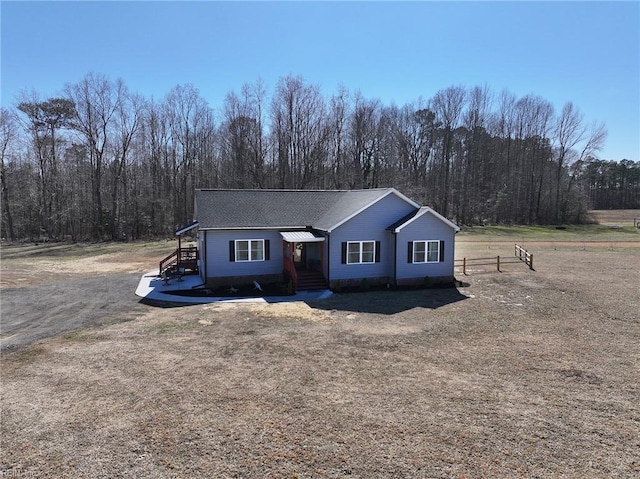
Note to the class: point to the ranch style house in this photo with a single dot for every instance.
(316, 239)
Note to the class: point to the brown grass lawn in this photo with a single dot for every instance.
(516, 374)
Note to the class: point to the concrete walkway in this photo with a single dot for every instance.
(152, 287)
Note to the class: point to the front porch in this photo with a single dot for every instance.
(303, 260)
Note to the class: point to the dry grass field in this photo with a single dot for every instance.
(613, 217)
(514, 374)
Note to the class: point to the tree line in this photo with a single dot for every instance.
(102, 162)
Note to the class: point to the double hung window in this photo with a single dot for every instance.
(361, 252)
(249, 250)
(426, 251)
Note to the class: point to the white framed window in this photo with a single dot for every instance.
(361, 252)
(249, 250)
(426, 251)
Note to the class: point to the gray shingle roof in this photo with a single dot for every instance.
(227, 209)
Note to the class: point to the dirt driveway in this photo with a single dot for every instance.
(44, 310)
(49, 289)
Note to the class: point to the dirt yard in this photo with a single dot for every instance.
(514, 374)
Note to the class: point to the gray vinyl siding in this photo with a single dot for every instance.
(217, 247)
(426, 228)
(201, 254)
(369, 225)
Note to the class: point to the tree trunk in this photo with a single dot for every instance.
(5, 203)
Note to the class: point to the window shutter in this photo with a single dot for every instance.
(377, 260)
(267, 250)
(344, 252)
(232, 251)
(410, 252)
(441, 251)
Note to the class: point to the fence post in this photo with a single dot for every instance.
(531, 262)
(498, 262)
(464, 266)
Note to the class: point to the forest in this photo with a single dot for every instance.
(100, 162)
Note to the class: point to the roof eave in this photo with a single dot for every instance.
(275, 228)
(184, 229)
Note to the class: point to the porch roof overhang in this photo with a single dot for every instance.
(184, 229)
(300, 237)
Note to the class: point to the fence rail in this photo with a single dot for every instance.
(520, 255)
(524, 255)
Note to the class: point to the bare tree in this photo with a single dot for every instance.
(337, 123)
(575, 142)
(127, 121)
(415, 133)
(242, 137)
(255, 95)
(187, 112)
(364, 142)
(473, 177)
(96, 101)
(299, 132)
(533, 116)
(448, 104)
(155, 195)
(8, 134)
(472, 158)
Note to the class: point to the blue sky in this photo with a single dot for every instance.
(585, 52)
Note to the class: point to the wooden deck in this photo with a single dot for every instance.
(182, 259)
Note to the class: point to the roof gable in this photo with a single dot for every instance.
(344, 213)
(411, 217)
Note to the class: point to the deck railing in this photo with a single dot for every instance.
(185, 258)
